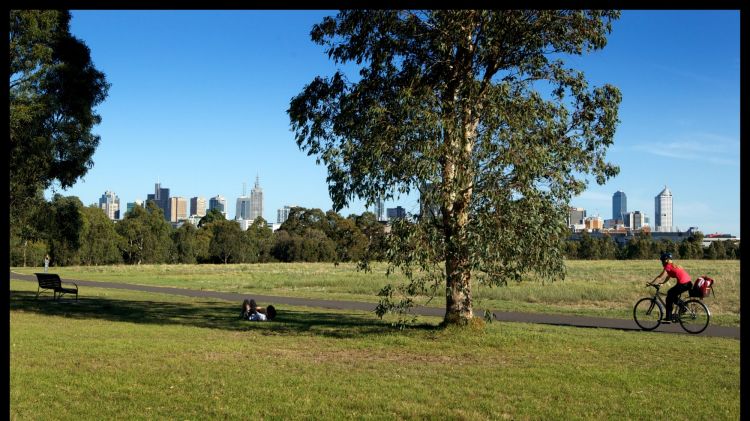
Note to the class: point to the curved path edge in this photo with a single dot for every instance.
(505, 316)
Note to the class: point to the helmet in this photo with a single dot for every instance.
(664, 257)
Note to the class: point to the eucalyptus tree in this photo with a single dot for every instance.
(100, 243)
(54, 89)
(477, 110)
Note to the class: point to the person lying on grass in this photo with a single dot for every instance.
(252, 312)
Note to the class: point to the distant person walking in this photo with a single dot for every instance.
(46, 263)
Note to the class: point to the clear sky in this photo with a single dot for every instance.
(198, 102)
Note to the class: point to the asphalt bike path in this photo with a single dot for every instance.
(504, 316)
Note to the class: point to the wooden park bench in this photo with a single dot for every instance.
(52, 281)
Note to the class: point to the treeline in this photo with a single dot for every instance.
(643, 246)
(76, 235)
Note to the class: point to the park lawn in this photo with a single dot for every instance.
(119, 354)
(599, 288)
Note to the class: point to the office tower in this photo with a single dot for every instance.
(395, 213)
(110, 204)
(178, 209)
(663, 211)
(132, 205)
(380, 209)
(242, 210)
(219, 203)
(256, 200)
(576, 216)
(283, 214)
(160, 199)
(198, 206)
(619, 205)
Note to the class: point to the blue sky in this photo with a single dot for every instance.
(199, 98)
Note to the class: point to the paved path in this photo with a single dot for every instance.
(506, 316)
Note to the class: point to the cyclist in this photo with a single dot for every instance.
(673, 271)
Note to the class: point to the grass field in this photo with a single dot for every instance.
(119, 354)
(592, 288)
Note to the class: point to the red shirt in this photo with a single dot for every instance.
(677, 272)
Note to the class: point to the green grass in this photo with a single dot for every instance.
(607, 288)
(119, 354)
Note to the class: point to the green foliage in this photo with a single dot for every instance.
(100, 243)
(227, 242)
(449, 99)
(211, 216)
(54, 88)
(146, 235)
(65, 228)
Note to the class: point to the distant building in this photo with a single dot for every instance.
(576, 216)
(243, 208)
(380, 209)
(160, 199)
(619, 205)
(663, 211)
(593, 223)
(396, 213)
(256, 200)
(283, 214)
(131, 205)
(219, 203)
(177, 209)
(110, 204)
(198, 206)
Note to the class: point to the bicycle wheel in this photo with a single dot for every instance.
(694, 316)
(647, 313)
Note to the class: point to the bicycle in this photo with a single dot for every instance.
(692, 314)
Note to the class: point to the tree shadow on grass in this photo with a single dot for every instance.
(204, 314)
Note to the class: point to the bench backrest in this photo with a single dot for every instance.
(48, 280)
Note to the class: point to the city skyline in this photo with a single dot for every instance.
(202, 111)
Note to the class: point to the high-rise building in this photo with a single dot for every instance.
(178, 209)
(198, 206)
(132, 205)
(242, 211)
(576, 216)
(380, 209)
(110, 204)
(396, 213)
(635, 220)
(160, 199)
(219, 203)
(256, 200)
(283, 214)
(663, 211)
(619, 205)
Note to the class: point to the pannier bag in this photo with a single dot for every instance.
(702, 287)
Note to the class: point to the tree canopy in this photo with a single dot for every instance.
(54, 88)
(476, 110)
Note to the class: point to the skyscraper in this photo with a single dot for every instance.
(198, 206)
(219, 203)
(160, 199)
(283, 214)
(110, 204)
(256, 200)
(242, 211)
(663, 211)
(619, 205)
(380, 209)
(177, 209)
